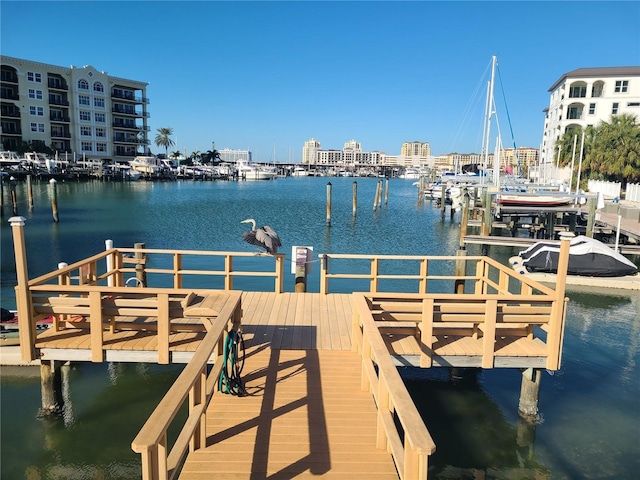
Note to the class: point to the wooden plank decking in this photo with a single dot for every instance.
(304, 417)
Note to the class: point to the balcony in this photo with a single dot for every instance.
(59, 118)
(60, 134)
(11, 112)
(58, 101)
(9, 94)
(8, 76)
(129, 96)
(57, 84)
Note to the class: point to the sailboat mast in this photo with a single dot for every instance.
(489, 111)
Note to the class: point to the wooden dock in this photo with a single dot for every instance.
(325, 398)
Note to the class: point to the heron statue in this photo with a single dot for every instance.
(263, 237)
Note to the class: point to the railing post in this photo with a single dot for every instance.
(373, 286)
(108, 245)
(228, 268)
(279, 282)
(177, 266)
(95, 326)
(26, 324)
(141, 275)
(556, 323)
(324, 270)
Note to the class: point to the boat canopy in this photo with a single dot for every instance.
(587, 257)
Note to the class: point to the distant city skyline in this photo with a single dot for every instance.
(268, 76)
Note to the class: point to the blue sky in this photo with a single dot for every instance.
(270, 75)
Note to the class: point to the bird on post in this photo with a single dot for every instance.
(264, 237)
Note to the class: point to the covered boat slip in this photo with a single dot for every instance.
(325, 396)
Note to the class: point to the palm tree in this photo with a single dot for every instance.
(163, 139)
(611, 150)
(195, 155)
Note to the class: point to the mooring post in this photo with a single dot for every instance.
(29, 192)
(443, 202)
(354, 200)
(51, 387)
(54, 199)
(591, 219)
(328, 204)
(14, 197)
(529, 393)
(386, 192)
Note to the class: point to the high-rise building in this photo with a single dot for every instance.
(310, 151)
(415, 149)
(588, 96)
(72, 110)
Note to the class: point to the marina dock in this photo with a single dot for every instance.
(323, 395)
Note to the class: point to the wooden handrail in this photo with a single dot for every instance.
(485, 268)
(160, 461)
(382, 379)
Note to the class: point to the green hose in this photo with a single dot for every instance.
(233, 358)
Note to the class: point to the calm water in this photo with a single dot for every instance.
(590, 425)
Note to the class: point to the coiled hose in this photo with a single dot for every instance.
(233, 358)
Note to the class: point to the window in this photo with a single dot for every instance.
(98, 87)
(100, 118)
(614, 110)
(83, 84)
(34, 77)
(622, 86)
(37, 127)
(84, 100)
(98, 102)
(85, 131)
(633, 104)
(35, 94)
(37, 111)
(101, 147)
(85, 116)
(87, 146)
(574, 112)
(592, 109)
(101, 132)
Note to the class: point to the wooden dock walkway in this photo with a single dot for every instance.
(304, 417)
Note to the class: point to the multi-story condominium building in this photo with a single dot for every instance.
(521, 158)
(588, 96)
(412, 149)
(234, 156)
(309, 151)
(76, 110)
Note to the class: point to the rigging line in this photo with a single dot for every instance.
(504, 99)
(471, 102)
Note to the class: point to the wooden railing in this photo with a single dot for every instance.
(160, 459)
(116, 266)
(380, 376)
(482, 317)
(485, 274)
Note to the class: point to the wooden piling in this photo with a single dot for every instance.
(375, 197)
(443, 202)
(14, 196)
(354, 200)
(591, 219)
(29, 192)
(54, 199)
(529, 393)
(51, 388)
(386, 192)
(328, 204)
(1, 198)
